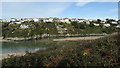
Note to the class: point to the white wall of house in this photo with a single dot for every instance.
(118, 26)
(106, 25)
(36, 20)
(67, 21)
(103, 22)
(79, 21)
(23, 26)
(50, 19)
(113, 22)
(96, 24)
(17, 22)
(13, 20)
(87, 22)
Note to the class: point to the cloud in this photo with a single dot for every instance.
(34, 9)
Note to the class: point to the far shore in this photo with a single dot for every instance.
(78, 38)
(3, 40)
(69, 36)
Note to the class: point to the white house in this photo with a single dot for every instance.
(103, 22)
(17, 22)
(67, 20)
(79, 21)
(36, 20)
(96, 24)
(106, 25)
(13, 19)
(74, 19)
(87, 22)
(24, 26)
(50, 20)
(118, 26)
(113, 22)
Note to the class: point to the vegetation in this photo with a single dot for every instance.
(38, 29)
(103, 52)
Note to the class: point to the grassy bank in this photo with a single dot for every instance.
(102, 52)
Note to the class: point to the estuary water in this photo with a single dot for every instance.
(22, 46)
(32, 45)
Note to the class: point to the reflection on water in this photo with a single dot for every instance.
(22, 46)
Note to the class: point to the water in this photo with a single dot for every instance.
(22, 46)
(32, 45)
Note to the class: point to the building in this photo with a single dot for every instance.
(36, 20)
(114, 22)
(13, 19)
(24, 26)
(16, 22)
(106, 25)
(96, 24)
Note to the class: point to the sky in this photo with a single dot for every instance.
(91, 10)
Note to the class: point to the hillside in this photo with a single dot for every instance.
(37, 29)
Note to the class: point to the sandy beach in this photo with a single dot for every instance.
(78, 38)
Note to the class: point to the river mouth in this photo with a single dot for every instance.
(20, 47)
(31, 45)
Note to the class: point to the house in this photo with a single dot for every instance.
(106, 25)
(48, 20)
(90, 20)
(103, 22)
(96, 24)
(16, 22)
(36, 20)
(13, 19)
(87, 22)
(24, 26)
(79, 21)
(114, 22)
(118, 26)
(66, 20)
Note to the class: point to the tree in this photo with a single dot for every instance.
(75, 24)
(98, 20)
(82, 26)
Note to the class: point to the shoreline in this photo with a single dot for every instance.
(67, 36)
(78, 38)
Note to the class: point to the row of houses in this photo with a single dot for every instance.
(50, 19)
(65, 20)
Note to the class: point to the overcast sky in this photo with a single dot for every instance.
(100, 10)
